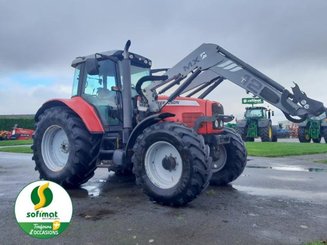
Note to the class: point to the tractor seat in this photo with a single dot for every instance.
(107, 97)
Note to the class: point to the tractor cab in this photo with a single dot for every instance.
(98, 80)
(258, 112)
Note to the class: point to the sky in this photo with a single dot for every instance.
(284, 39)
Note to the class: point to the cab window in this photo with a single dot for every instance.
(98, 91)
(76, 80)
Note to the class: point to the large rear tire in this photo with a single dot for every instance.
(249, 139)
(243, 132)
(316, 140)
(171, 163)
(228, 160)
(274, 134)
(324, 133)
(63, 149)
(266, 133)
(302, 135)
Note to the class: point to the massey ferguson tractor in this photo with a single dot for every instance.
(174, 144)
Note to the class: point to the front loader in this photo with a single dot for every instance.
(175, 144)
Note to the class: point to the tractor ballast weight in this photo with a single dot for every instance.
(119, 118)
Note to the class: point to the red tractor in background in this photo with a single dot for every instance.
(175, 145)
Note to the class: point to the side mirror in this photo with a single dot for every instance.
(272, 113)
(92, 66)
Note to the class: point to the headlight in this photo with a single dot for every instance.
(217, 124)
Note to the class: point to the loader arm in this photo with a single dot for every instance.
(208, 65)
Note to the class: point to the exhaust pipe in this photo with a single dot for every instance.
(126, 92)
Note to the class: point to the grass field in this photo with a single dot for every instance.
(280, 149)
(263, 149)
(321, 161)
(18, 149)
(317, 243)
(15, 142)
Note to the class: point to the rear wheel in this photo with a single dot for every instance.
(274, 138)
(274, 134)
(250, 139)
(63, 149)
(266, 133)
(303, 136)
(228, 160)
(316, 140)
(243, 132)
(171, 163)
(324, 133)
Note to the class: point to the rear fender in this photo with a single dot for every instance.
(83, 109)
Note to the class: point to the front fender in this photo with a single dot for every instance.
(84, 110)
(144, 124)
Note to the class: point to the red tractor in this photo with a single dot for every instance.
(174, 145)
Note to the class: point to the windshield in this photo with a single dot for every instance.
(254, 113)
(136, 74)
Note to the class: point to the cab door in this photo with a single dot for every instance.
(100, 91)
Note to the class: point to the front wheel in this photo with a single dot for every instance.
(228, 160)
(316, 140)
(171, 163)
(303, 136)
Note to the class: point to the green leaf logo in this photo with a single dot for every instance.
(41, 196)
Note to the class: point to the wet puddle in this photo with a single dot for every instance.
(294, 194)
(88, 190)
(289, 168)
(99, 186)
(92, 190)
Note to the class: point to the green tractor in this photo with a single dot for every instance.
(314, 129)
(257, 123)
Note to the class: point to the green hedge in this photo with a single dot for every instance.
(9, 123)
